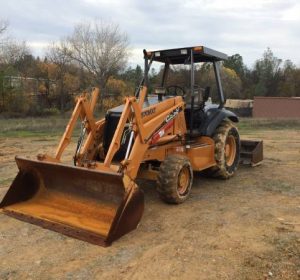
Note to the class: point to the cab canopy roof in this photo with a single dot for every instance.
(183, 55)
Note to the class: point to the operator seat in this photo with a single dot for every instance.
(200, 97)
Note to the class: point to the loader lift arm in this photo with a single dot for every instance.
(143, 131)
(84, 110)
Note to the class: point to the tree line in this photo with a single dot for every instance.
(96, 54)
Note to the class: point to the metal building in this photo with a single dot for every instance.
(276, 107)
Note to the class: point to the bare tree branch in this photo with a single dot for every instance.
(60, 55)
(101, 48)
(3, 29)
(12, 51)
(3, 26)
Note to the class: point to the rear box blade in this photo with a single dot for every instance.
(251, 152)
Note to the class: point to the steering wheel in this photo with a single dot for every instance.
(175, 91)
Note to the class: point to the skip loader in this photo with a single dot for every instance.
(164, 136)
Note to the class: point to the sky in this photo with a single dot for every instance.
(231, 26)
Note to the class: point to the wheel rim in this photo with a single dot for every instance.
(230, 150)
(183, 180)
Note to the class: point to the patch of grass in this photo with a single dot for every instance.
(55, 125)
(28, 127)
(250, 124)
(39, 126)
(25, 133)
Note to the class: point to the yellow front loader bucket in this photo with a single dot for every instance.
(90, 205)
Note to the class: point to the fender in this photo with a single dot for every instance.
(214, 116)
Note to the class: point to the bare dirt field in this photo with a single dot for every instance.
(247, 227)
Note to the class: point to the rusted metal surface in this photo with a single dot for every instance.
(90, 205)
(251, 152)
(276, 107)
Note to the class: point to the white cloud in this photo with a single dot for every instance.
(292, 13)
(38, 48)
(232, 26)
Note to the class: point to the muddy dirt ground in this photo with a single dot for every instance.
(247, 227)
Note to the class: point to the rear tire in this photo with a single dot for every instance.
(175, 179)
(227, 151)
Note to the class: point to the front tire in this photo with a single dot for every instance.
(227, 151)
(175, 179)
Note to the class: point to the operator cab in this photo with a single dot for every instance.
(196, 97)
